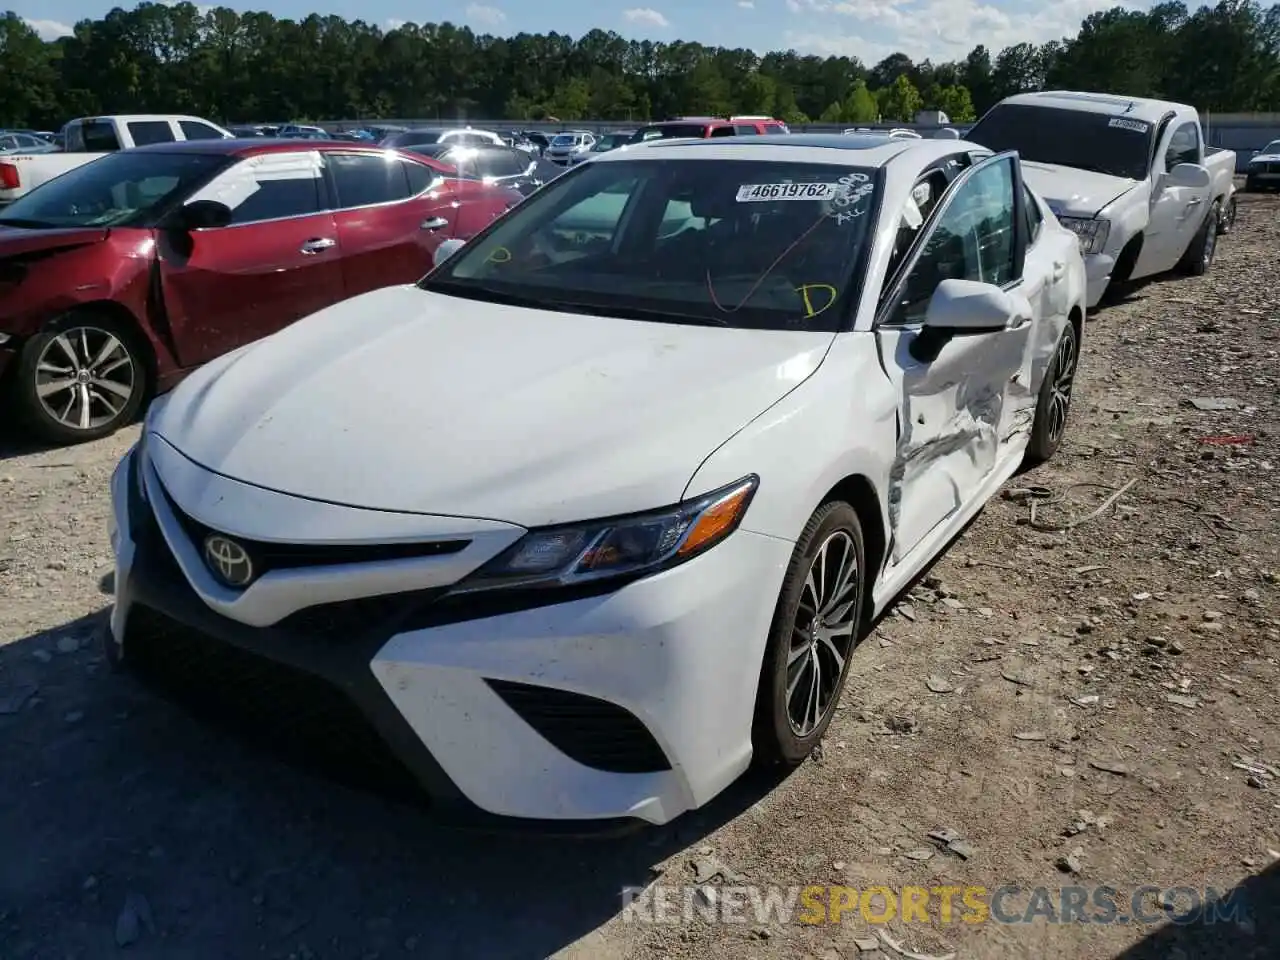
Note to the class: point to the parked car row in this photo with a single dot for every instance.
(123, 274)
(596, 514)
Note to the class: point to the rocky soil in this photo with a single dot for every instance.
(1083, 691)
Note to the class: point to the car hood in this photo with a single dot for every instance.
(412, 401)
(1266, 158)
(1072, 192)
(15, 241)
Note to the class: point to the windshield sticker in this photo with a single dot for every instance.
(499, 255)
(760, 192)
(1120, 123)
(848, 203)
(827, 296)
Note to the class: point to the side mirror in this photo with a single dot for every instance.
(447, 249)
(1190, 175)
(203, 214)
(970, 306)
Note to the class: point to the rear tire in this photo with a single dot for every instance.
(1054, 404)
(1228, 221)
(80, 378)
(818, 621)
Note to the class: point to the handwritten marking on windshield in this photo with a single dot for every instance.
(499, 255)
(806, 289)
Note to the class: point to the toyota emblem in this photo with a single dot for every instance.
(228, 561)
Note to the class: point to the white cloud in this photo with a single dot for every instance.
(394, 23)
(747, 4)
(646, 15)
(49, 29)
(489, 16)
(937, 29)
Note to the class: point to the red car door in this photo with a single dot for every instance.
(279, 259)
(392, 213)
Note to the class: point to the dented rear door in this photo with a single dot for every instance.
(960, 396)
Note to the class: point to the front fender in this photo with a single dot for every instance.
(841, 422)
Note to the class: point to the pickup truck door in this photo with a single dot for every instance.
(391, 215)
(961, 397)
(278, 261)
(1176, 213)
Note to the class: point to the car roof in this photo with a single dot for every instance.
(863, 150)
(1136, 108)
(254, 146)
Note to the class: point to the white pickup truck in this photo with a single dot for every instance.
(1132, 177)
(91, 137)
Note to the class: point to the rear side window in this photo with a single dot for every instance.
(1184, 146)
(93, 136)
(744, 129)
(365, 179)
(1035, 219)
(144, 132)
(193, 130)
(499, 163)
(724, 132)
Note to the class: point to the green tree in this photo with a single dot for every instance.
(860, 106)
(901, 100)
(833, 114)
(956, 103)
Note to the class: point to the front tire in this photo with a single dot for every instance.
(818, 621)
(80, 378)
(1228, 222)
(1198, 257)
(1054, 403)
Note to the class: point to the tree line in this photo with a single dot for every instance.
(240, 67)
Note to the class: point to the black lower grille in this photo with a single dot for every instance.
(596, 733)
(299, 717)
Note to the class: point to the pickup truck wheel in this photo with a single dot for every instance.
(1054, 402)
(1199, 254)
(80, 378)
(1228, 222)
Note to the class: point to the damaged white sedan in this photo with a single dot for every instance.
(597, 513)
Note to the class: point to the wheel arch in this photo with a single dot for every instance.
(859, 492)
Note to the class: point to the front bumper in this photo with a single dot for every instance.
(594, 713)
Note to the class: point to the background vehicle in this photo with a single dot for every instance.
(125, 273)
(749, 459)
(507, 166)
(604, 143)
(301, 131)
(88, 138)
(1263, 172)
(423, 136)
(14, 141)
(538, 139)
(1132, 177)
(704, 127)
(569, 146)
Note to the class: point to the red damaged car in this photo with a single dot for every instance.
(122, 275)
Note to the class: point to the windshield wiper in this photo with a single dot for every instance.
(488, 294)
(23, 222)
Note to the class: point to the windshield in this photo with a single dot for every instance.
(754, 244)
(412, 138)
(1272, 147)
(563, 140)
(128, 188)
(1119, 146)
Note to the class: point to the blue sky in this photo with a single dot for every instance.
(870, 29)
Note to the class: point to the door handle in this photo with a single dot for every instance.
(1018, 321)
(435, 223)
(1195, 201)
(312, 247)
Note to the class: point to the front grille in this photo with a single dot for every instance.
(299, 717)
(594, 732)
(285, 556)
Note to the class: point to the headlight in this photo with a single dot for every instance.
(621, 547)
(1092, 233)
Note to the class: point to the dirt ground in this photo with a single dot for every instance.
(1088, 706)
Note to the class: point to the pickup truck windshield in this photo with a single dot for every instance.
(128, 188)
(765, 245)
(1101, 142)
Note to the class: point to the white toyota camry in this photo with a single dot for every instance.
(597, 513)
